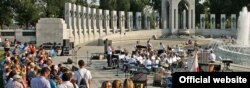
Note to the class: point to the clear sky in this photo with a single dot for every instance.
(97, 1)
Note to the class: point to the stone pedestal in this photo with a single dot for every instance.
(122, 22)
(202, 21)
(100, 22)
(147, 21)
(68, 20)
(113, 21)
(129, 21)
(223, 21)
(233, 22)
(51, 30)
(79, 23)
(212, 21)
(106, 22)
(74, 24)
(84, 24)
(93, 23)
(138, 20)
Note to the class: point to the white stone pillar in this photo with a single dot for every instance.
(202, 21)
(122, 22)
(129, 21)
(114, 21)
(212, 21)
(233, 21)
(93, 23)
(223, 21)
(157, 20)
(68, 20)
(74, 25)
(84, 24)
(106, 22)
(184, 19)
(100, 22)
(79, 23)
(89, 18)
(147, 21)
(138, 20)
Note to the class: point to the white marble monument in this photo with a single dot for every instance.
(114, 21)
(202, 21)
(233, 21)
(106, 22)
(184, 21)
(89, 28)
(223, 21)
(212, 21)
(138, 20)
(79, 23)
(74, 24)
(122, 21)
(129, 21)
(68, 20)
(147, 21)
(157, 20)
(100, 22)
(84, 23)
(93, 22)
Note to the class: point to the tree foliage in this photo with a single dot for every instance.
(6, 13)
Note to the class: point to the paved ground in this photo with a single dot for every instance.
(100, 75)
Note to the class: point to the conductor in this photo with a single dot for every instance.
(109, 55)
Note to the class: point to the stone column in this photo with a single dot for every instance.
(93, 23)
(233, 21)
(202, 21)
(79, 23)
(129, 21)
(184, 19)
(68, 20)
(106, 22)
(100, 21)
(147, 21)
(74, 23)
(157, 20)
(89, 18)
(223, 21)
(114, 21)
(84, 23)
(138, 20)
(212, 21)
(122, 22)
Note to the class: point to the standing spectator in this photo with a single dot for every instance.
(41, 82)
(106, 84)
(128, 83)
(82, 74)
(16, 83)
(7, 45)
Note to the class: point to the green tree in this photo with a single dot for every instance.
(123, 5)
(6, 13)
(27, 12)
(108, 4)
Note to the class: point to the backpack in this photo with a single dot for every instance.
(83, 83)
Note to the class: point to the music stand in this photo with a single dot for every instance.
(226, 63)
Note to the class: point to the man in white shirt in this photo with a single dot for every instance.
(109, 55)
(66, 77)
(82, 73)
(148, 64)
(162, 47)
(212, 57)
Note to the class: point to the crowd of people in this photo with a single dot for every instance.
(28, 67)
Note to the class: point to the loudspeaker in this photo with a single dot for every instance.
(66, 42)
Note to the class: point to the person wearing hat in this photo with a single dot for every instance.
(16, 83)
